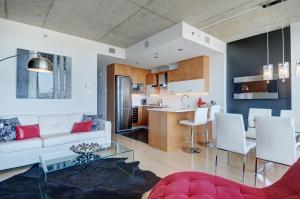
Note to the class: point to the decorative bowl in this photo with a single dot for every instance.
(85, 148)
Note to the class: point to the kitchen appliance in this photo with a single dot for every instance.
(135, 114)
(255, 87)
(162, 80)
(123, 106)
(144, 101)
(138, 88)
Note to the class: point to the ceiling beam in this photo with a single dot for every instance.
(46, 17)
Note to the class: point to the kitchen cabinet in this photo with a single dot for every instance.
(188, 86)
(191, 69)
(151, 79)
(144, 116)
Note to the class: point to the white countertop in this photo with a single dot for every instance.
(172, 110)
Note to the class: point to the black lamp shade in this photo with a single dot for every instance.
(40, 64)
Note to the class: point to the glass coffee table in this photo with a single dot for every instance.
(50, 162)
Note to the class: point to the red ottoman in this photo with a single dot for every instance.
(196, 185)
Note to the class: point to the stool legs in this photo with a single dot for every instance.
(193, 148)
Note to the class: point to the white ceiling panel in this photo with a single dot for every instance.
(33, 12)
(90, 18)
(192, 11)
(140, 26)
(141, 2)
(255, 22)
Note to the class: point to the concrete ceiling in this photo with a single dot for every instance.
(125, 22)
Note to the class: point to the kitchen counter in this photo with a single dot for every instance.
(166, 134)
(172, 110)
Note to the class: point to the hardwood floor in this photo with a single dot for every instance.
(165, 163)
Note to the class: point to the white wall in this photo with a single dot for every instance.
(295, 57)
(84, 52)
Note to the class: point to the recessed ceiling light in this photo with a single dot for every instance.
(156, 53)
(155, 57)
(180, 49)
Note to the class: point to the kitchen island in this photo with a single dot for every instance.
(166, 134)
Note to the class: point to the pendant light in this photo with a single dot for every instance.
(298, 69)
(284, 67)
(268, 68)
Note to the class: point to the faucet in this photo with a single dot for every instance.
(184, 105)
(159, 102)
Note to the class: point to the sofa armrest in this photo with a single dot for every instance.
(106, 126)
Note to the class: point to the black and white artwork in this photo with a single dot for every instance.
(33, 85)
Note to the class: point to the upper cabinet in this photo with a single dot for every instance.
(151, 79)
(191, 69)
(138, 75)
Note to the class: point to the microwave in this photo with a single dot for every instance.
(138, 88)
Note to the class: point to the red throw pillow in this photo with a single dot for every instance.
(82, 126)
(27, 132)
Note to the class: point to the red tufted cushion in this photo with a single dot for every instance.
(197, 185)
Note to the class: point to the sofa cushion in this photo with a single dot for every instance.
(74, 117)
(8, 129)
(27, 132)
(20, 145)
(82, 127)
(95, 119)
(59, 139)
(54, 124)
(90, 135)
(23, 119)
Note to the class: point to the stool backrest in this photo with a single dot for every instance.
(213, 110)
(200, 116)
(294, 115)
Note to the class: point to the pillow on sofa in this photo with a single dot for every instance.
(95, 119)
(27, 132)
(8, 129)
(82, 127)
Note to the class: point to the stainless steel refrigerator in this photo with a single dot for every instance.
(123, 103)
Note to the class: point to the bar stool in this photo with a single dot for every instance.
(211, 118)
(200, 118)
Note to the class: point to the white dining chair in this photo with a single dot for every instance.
(200, 118)
(253, 112)
(275, 141)
(231, 136)
(211, 118)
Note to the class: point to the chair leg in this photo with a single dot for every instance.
(244, 167)
(193, 149)
(255, 172)
(228, 157)
(216, 161)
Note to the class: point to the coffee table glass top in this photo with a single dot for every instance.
(63, 159)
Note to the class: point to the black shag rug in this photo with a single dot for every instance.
(96, 180)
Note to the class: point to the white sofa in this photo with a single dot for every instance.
(55, 132)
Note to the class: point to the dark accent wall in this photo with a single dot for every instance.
(245, 58)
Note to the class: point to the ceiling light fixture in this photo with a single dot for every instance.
(268, 68)
(180, 49)
(298, 69)
(155, 57)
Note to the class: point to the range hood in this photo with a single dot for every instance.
(165, 68)
(162, 75)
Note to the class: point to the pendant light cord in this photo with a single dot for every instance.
(268, 51)
(283, 47)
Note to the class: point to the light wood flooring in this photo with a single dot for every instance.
(165, 163)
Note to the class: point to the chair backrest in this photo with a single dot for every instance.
(200, 116)
(213, 110)
(293, 114)
(231, 132)
(275, 139)
(253, 112)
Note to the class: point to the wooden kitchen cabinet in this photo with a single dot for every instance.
(151, 79)
(191, 69)
(145, 116)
